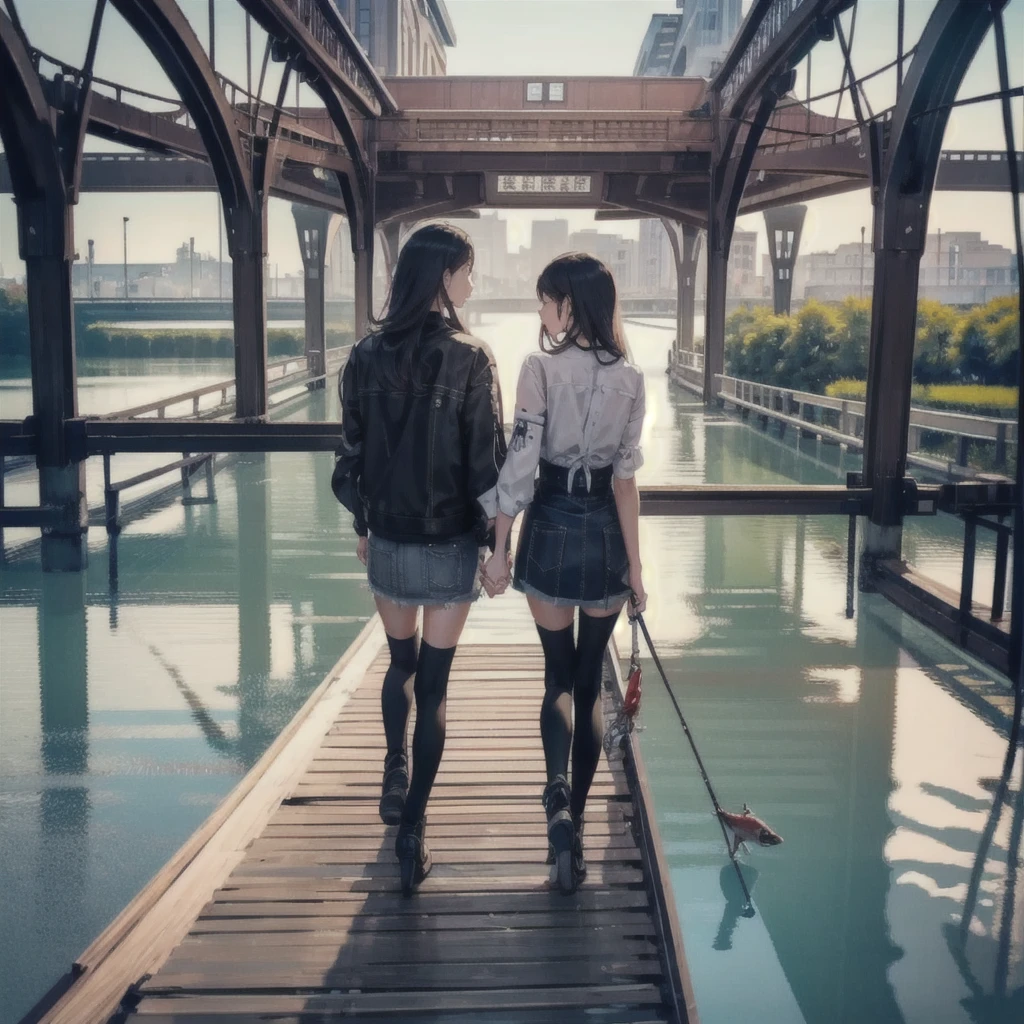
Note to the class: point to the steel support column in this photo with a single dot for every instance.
(685, 241)
(313, 227)
(247, 235)
(44, 154)
(47, 247)
(783, 224)
(946, 48)
(731, 162)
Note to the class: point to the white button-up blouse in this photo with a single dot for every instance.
(574, 411)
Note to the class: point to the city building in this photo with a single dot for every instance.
(744, 281)
(655, 271)
(548, 239)
(958, 267)
(618, 254)
(192, 275)
(401, 37)
(491, 273)
(692, 43)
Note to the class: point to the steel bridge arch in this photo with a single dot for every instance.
(163, 28)
(25, 122)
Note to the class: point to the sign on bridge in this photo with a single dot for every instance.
(541, 183)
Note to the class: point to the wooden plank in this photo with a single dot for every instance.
(632, 922)
(436, 900)
(415, 977)
(407, 948)
(563, 1015)
(575, 935)
(466, 829)
(310, 842)
(381, 877)
(541, 997)
(600, 1015)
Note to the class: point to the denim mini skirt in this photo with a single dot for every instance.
(446, 572)
(571, 550)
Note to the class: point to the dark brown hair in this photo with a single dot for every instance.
(588, 286)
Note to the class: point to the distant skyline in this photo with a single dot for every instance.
(508, 37)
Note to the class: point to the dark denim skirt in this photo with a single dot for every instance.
(571, 550)
(447, 572)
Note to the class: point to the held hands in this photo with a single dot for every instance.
(497, 573)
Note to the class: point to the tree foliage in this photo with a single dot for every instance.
(824, 343)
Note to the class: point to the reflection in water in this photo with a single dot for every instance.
(818, 720)
(64, 801)
(254, 633)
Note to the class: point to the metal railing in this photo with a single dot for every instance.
(650, 128)
(277, 375)
(334, 38)
(966, 427)
(1004, 533)
(772, 24)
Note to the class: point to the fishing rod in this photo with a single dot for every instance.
(637, 617)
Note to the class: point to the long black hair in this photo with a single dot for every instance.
(417, 284)
(588, 286)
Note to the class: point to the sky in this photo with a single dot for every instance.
(509, 37)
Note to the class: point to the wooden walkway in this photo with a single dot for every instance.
(306, 923)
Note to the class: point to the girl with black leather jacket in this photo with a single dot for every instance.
(579, 416)
(418, 468)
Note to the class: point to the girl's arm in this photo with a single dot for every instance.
(516, 480)
(627, 504)
(628, 459)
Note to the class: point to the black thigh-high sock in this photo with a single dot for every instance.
(431, 689)
(586, 747)
(396, 693)
(556, 708)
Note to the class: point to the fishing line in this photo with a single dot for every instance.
(638, 617)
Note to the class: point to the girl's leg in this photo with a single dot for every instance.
(396, 693)
(442, 627)
(554, 625)
(594, 633)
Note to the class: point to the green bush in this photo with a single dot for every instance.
(979, 399)
(827, 344)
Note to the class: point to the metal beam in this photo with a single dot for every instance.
(43, 178)
(316, 32)
(944, 52)
(728, 178)
(774, 36)
(313, 227)
(166, 31)
(685, 241)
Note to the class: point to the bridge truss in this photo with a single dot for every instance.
(389, 153)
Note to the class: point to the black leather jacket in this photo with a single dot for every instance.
(419, 463)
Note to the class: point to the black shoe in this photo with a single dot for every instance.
(413, 856)
(560, 833)
(579, 864)
(394, 788)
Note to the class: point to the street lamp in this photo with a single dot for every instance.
(191, 260)
(862, 261)
(125, 229)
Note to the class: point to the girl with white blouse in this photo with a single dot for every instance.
(578, 419)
